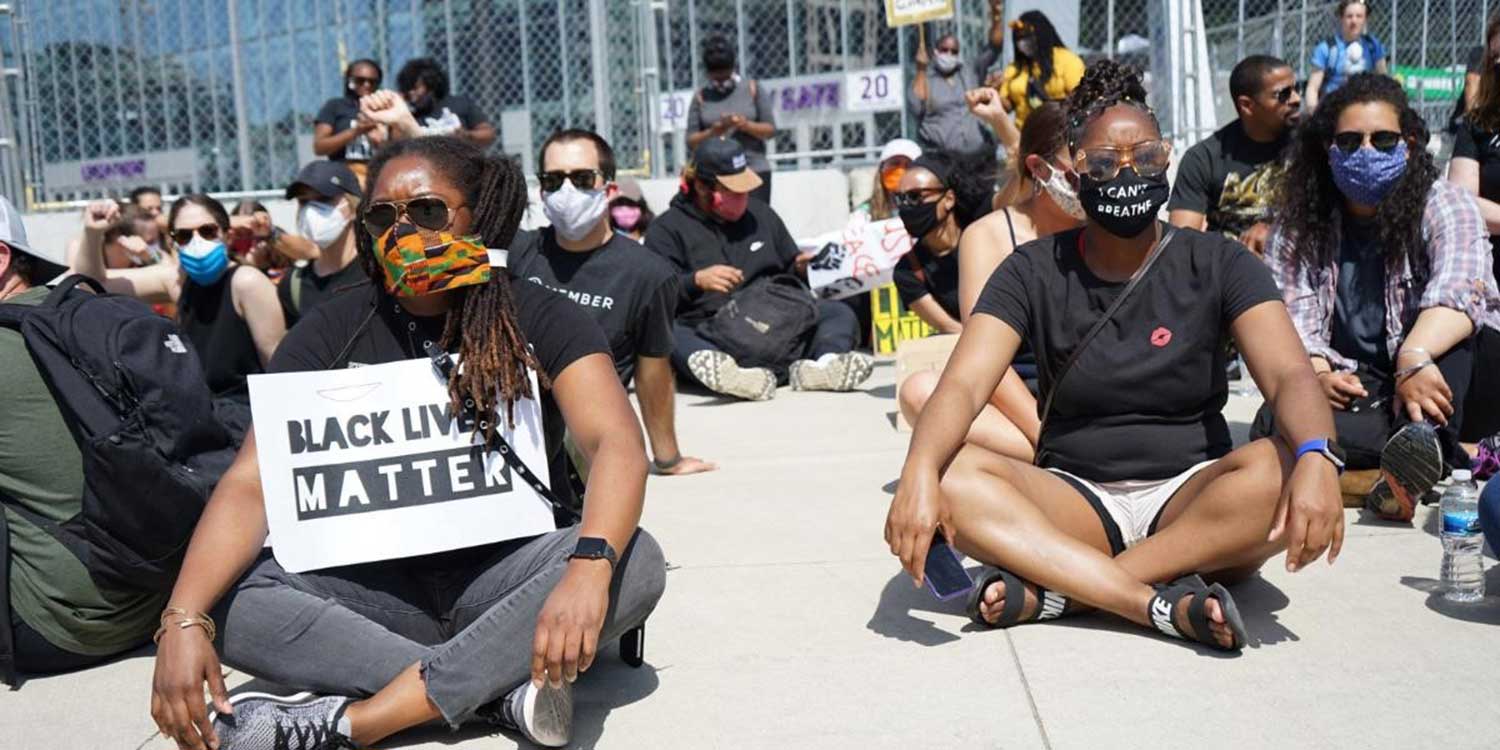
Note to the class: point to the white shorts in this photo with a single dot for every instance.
(1130, 508)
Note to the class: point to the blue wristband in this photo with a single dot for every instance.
(1321, 446)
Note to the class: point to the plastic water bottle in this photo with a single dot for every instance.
(1463, 571)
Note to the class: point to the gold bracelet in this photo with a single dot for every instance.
(189, 620)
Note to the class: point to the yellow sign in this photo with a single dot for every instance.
(908, 12)
(893, 322)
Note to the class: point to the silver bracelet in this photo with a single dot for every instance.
(1407, 372)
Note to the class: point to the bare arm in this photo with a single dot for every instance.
(1310, 95)
(981, 248)
(1189, 219)
(157, 283)
(761, 130)
(598, 415)
(928, 309)
(255, 301)
(1382, 68)
(389, 109)
(1464, 172)
(1311, 512)
(657, 393)
(326, 142)
(1471, 91)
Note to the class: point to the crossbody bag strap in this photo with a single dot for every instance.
(1135, 280)
(443, 363)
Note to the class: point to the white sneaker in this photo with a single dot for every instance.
(543, 715)
(721, 374)
(838, 372)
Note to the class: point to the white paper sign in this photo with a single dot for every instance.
(877, 90)
(855, 259)
(907, 12)
(368, 464)
(674, 110)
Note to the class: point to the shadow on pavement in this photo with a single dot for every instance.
(882, 391)
(893, 613)
(1486, 612)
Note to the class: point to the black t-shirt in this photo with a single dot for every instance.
(1144, 399)
(1483, 146)
(556, 330)
(1359, 297)
(939, 278)
(629, 291)
(341, 112)
(315, 289)
(1228, 178)
(451, 113)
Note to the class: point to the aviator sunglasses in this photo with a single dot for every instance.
(427, 212)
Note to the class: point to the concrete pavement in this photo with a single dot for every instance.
(787, 624)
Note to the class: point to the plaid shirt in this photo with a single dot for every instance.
(1459, 274)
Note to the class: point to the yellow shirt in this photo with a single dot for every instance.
(1067, 71)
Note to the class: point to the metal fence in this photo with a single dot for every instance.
(219, 95)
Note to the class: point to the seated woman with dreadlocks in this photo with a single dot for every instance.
(1136, 490)
(1388, 275)
(498, 631)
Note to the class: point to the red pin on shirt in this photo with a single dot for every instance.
(1161, 337)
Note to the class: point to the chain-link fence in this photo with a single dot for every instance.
(220, 95)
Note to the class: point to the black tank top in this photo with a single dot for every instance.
(221, 337)
(1025, 360)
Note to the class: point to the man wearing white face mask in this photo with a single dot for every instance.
(327, 193)
(626, 289)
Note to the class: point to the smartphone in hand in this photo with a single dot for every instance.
(945, 575)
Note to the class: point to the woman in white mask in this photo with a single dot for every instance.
(1038, 201)
(327, 193)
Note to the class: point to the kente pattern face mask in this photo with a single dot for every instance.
(414, 268)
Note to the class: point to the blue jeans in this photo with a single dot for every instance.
(1489, 515)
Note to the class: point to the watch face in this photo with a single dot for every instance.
(591, 547)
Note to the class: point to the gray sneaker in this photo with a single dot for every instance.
(841, 372)
(304, 721)
(722, 374)
(543, 715)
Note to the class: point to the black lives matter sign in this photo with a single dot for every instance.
(369, 486)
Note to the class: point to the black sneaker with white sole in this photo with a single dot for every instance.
(543, 714)
(304, 721)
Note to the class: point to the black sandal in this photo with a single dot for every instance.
(1050, 604)
(1163, 612)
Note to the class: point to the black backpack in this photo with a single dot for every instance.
(766, 324)
(133, 394)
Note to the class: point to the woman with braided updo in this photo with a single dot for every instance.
(1136, 489)
(498, 631)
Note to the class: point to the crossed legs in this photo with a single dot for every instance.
(1007, 425)
(1033, 524)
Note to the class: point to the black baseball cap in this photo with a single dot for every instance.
(326, 178)
(724, 160)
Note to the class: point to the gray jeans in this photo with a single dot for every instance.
(467, 616)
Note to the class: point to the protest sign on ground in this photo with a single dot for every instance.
(370, 463)
(855, 259)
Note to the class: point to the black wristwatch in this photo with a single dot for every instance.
(594, 548)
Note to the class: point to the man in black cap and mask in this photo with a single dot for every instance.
(327, 195)
(722, 242)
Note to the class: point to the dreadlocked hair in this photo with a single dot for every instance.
(494, 357)
(1307, 200)
(1105, 84)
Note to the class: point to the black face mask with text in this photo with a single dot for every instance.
(1126, 205)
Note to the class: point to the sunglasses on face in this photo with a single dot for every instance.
(583, 179)
(1350, 141)
(208, 232)
(914, 197)
(1284, 94)
(1103, 163)
(428, 212)
(362, 81)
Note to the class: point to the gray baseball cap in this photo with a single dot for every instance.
(52, 263)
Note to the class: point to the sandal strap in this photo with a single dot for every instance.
(1162, 609)
(1050, 604)
(1015, 599)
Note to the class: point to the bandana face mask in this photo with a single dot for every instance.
(414, 268)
